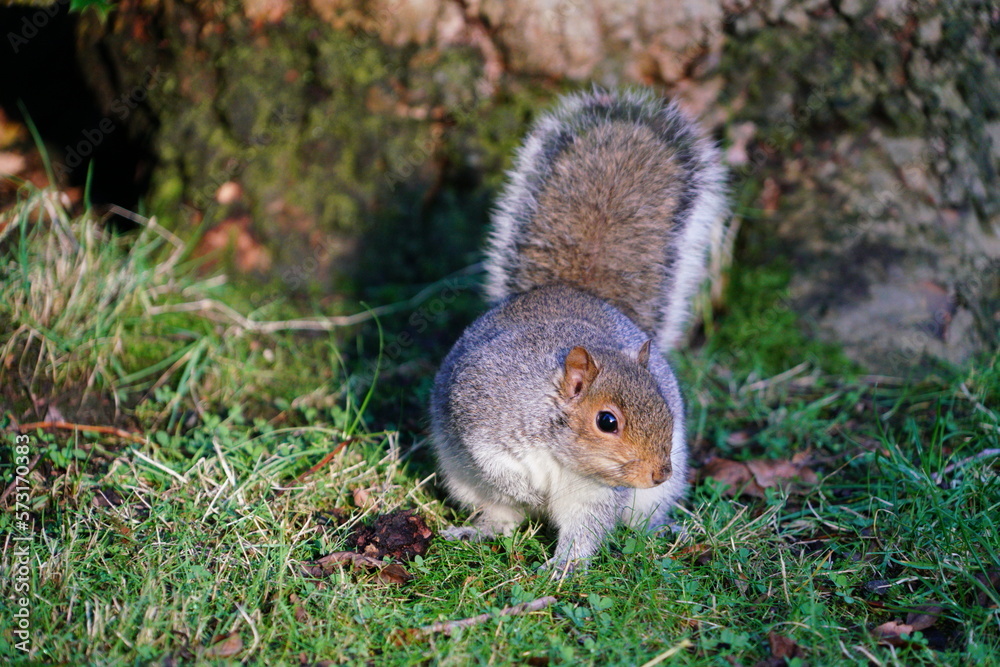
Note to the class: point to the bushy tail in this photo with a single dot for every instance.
(616, 194)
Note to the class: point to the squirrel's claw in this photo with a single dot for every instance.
(464, 534)
(561, 568)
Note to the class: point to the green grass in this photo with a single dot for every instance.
(148, 552)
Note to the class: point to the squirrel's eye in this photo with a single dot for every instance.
(607, 422)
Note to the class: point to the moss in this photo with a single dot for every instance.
(845, 75)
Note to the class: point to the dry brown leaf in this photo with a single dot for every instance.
(923, 616)
(235, 235)
(700, 553)
(769, 473)
(784, 647)
(362, 498)
(326, 565)
(394, 573)
(892, 632)
(298, 610)
(735, 475)
(991, 580)
(752, 477)
(225, 647)
(391, 573)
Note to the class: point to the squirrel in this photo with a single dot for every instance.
(558, 403)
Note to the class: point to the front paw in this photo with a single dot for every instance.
(561, 568)
(463, 533)
(671, 527)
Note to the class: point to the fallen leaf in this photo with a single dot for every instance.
(362, 498)
(991, 580)
(701, 554)
(770, 473)
(735, 475)
(225, 646)
(923, 617)
(918, 620)
(784, 647)
(394, 573)
(752, 477)
(891, 633)
(297, 610)
(234, 235)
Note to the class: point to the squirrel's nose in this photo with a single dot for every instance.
(661, 475)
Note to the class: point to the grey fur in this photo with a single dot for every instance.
(598, 242)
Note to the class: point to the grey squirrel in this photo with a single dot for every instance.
(558, 403)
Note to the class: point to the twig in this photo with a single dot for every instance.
(881, 379)
(985, 454)
(67, 426)
(669, 653)
(159, 466)
(348, 557)
(392, 573)
(222, 312)
(448, 627)
(979, 406)
(13, 484)
(115, 209)
(326, 459)
(150, 223)
(777, 379)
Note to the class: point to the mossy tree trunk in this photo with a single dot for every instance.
(351, 144)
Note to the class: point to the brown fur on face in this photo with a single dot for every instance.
(638, 453)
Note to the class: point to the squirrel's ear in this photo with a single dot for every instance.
(643, 356)
(579, 371)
